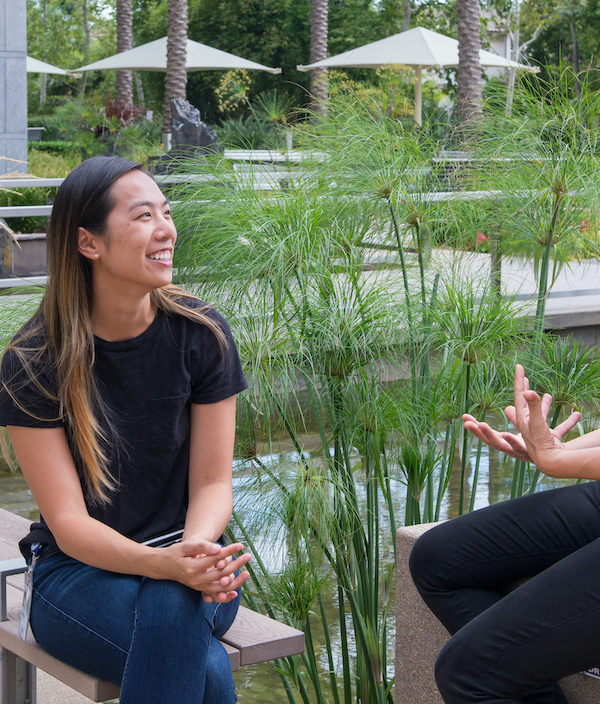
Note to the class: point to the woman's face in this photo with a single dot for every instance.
(137, 245)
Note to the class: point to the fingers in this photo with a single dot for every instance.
(520, 386)
(546, 404)
(207, 552)
(517, 447)
(534, 404)
(512, 445)
(220, 575)
(567, 425)
(200, 547)
(216, 592)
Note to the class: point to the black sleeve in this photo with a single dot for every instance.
(218, 370)
(25, 401)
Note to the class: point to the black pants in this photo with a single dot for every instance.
(510, 648)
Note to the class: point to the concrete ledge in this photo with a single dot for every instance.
(420, 637)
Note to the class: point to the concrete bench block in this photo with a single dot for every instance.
(420, 637)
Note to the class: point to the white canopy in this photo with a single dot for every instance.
(418, 47)
(153, 57)
(37, 66)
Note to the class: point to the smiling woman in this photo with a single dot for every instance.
(119, 399)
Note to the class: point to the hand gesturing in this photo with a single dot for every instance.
(528, 415)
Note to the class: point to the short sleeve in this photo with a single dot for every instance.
(218, 374)
(24, 401)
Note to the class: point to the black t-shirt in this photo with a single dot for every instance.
(147, 384)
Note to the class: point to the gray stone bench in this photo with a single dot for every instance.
(420, 637)
(251, 639)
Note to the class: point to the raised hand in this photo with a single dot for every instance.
(530, 420)
(516, 445)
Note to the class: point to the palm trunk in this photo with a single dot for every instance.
(469, 68)
(406, 16)
(44, 76)
(176, 78)
(318, 51)
(124, 93)
(86, 47)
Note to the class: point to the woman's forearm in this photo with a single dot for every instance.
(198, 564)
(94, 543)
(209, 511)
(589, 440)
(581, 463)
(210, 474)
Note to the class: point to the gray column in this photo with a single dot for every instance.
(13, 85)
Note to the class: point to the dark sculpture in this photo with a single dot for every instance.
(190, 137)
(188, 130)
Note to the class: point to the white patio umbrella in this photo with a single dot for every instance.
(418, 47)
(153, 57)
(37, 66)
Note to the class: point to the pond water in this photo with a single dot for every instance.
(261, 684)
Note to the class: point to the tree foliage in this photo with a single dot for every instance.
(55, 33)
(277, 33)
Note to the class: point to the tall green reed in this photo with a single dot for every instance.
(348, 331)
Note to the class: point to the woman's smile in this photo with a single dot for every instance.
(164, 256)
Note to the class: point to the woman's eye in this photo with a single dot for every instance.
(168, 212)
(143, 215)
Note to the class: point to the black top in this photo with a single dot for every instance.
(147, 384)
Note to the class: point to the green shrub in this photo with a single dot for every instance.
(26, 196)
(55, 146)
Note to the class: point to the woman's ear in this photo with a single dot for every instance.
(86, 244)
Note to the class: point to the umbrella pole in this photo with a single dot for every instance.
(418, 94)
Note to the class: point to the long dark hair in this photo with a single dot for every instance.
(62, 322)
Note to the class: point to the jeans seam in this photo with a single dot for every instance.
(214, 616)
(76, 621)
(133, 634)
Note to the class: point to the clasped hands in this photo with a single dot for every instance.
(536, 442)
(209, 567)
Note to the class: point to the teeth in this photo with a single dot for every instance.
(162, 256)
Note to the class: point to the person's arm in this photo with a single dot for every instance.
(48, 467)
(212, 435)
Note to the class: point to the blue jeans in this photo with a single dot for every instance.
(156, 639)
(512, 648)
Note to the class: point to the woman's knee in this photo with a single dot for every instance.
(451, 673)
(428, 554)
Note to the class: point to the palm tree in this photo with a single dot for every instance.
(406, 16)
(86, 48)
(469, 68)
(318, 51)
(124, 43)
(176, 79)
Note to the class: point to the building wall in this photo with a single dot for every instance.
(499, 44)
(13, 86)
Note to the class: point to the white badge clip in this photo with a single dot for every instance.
(28, 591)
